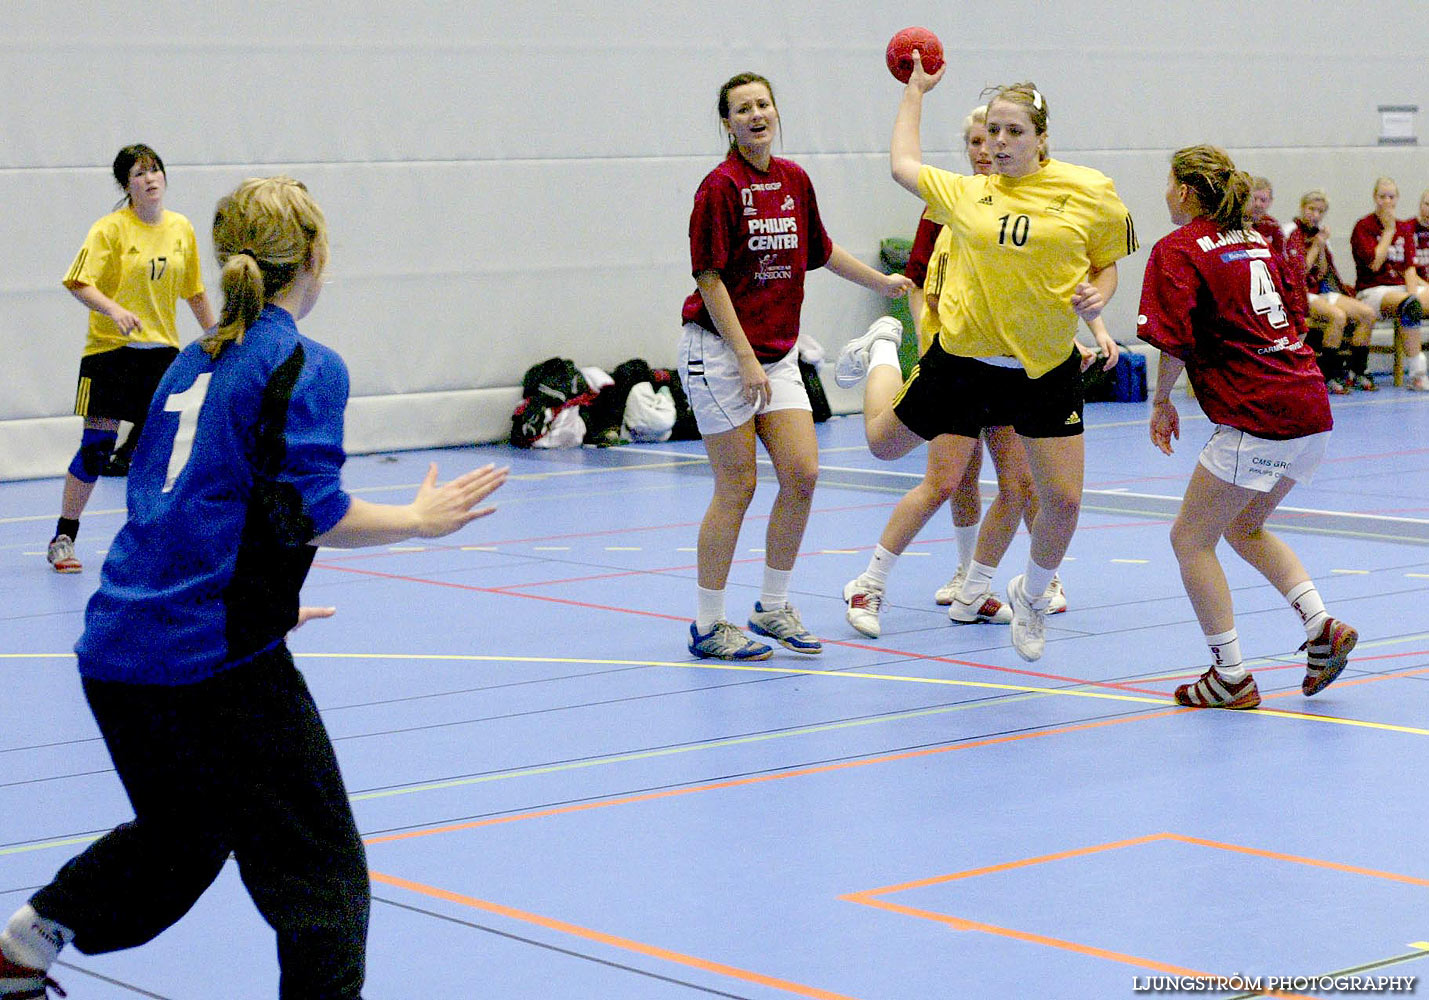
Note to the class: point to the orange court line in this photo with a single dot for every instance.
(868, 897)
(1296, 859)
(1090, 951)
(600, 937)
(755, 780)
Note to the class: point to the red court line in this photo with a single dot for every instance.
(600, 937)
(670, 793)
(603, 532)
(1081, 682)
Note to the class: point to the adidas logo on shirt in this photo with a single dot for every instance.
(985, 200)
(1072, 420)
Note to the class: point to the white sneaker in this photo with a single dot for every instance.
(61, 555)
(944, 595)
(852, 365)
(1056, 600)
(1415, 383)
(1029, 621)
(864, 602)
(982, 608)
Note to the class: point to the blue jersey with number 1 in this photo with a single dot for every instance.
(238, 469)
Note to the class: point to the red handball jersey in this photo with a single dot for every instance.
(1221, 302)
(1273, 232)
(1420, 243)
(1365, 237)
(922, 252)
(1324, 276)
(762, 233)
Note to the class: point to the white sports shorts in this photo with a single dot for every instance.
(1374, 295)
(1243, 459)
(710, 375)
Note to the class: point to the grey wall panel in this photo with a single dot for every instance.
(510, 181)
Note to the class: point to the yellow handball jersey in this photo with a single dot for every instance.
(1018, 247)
(144, 268)
(929, 326)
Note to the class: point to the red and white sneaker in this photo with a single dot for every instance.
(62, 558)
(20, 982)
(982, 608)
(1056, 599)
(864, 602)
(1326, 655)
(1214, 691)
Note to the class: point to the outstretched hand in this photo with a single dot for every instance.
(443, 509)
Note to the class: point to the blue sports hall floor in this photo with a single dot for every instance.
(559, 802)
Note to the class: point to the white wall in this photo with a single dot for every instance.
(510, 181)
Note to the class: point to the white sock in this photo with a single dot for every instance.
(1308, 604)
(1037, 579)
(977, 582)
(711, 608)
(879, 566)
(775, 594)
(1417, 365)
(32, 940)
(966, 536)
(1225, 655)
(883, 352)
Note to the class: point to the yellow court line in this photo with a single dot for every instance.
(1072, 692)
(861, 675)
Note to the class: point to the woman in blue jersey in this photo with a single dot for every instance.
(212, 730)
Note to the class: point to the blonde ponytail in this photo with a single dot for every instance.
(264, 233)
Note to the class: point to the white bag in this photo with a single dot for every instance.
(567, 430)
(649, 415)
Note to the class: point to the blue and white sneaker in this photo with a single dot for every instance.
(724, 641)
(784, 627)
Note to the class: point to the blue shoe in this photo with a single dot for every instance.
(783, 626)
(726, 642)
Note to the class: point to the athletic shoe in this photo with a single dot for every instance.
(724, 641)
(1326, 655)
(783, 626)
(984, 608)
(1417, 383)
(944, 595)
(1410, 312)
(852, 365)
(1364, 383)
(1214, 691)
(1056, 599)
(864, 602)
(61, 555)
(1029, 620)
(20, 982)
(1336, 387)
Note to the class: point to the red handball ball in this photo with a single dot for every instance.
(900, 52)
